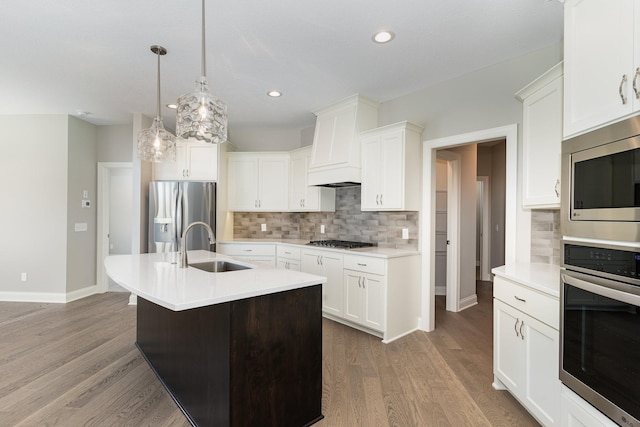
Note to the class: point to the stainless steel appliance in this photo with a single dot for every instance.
(600, 279)
(173, 205)
(601, 183)
(340, 244)
(600, 326)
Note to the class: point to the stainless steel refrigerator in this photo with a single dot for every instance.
(173, 205)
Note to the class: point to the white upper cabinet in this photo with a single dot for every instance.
(258, 182)
(336, 146)
(391, 168)
(302, 197)
(542, 140)
(195, 161)
(601, 60)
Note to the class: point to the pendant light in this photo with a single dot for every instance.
(199, 114)
(156, 144)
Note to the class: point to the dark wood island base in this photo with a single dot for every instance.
(250, 362)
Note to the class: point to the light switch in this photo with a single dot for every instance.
(85, 194)
(263, 227)
(405, 233)
(322, 228)
(80, 226)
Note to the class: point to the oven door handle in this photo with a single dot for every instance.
(600, 286)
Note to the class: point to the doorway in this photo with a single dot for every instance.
(115, 210)
(463, 258)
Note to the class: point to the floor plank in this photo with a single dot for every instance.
(76, 364)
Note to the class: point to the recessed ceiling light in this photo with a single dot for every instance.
(172, 106)
(274, 93)
(81, 113)
(384, 36)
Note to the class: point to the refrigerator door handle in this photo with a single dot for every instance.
(178, 216)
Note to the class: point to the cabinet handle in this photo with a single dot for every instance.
(521, 325)
(255, 203)
(377, 199)
(381, 200)
(360, 264)
(520, 299)
(248, 250)
(622, 82)
(635, 81)
(515, 327)
(321, 260)
(364, 283)
(556, 188)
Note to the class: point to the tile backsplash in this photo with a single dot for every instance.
(348, 222)
(545, 236)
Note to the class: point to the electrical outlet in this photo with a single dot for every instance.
(263, 227)
(23, 277)
(405, 233)
(322, 228)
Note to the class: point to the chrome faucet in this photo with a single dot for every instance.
(183, 244)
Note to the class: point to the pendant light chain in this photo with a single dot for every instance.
(204, 50)
(158, 53)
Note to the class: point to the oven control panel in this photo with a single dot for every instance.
(615, 262)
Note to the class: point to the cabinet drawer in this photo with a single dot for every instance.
(537, 305)
(365, 264)
(290, 252)
(240, 249)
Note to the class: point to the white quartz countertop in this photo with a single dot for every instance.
(157, 278)
(541, 277)
(375, 251)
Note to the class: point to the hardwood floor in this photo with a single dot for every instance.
(76, 365)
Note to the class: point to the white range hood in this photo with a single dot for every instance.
(335, 157)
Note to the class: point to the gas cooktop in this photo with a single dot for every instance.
(340, 244)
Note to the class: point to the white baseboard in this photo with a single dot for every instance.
(81, 293)
(48, 297)
(33, 297)
(133, 299)
(467, 302)
(441, 290)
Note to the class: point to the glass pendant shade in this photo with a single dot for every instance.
(199, 114)
(156, 144)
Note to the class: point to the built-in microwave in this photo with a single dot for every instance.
(601, 183)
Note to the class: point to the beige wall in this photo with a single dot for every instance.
(114, 143)
(82, 175)
(33, 170)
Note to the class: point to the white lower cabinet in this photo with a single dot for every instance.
(576, 412)
(330, 265)
(288, 257)
(262, 253)
(364, 299)
(526, 349)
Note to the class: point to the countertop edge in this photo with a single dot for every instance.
(541, 277)
(156, 279)
(374, 252)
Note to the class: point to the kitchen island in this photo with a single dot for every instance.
(235, 348)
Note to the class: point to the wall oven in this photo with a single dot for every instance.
(600, 327)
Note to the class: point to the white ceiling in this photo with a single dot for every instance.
(68, 55)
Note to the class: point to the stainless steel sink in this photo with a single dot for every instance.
(219, 266)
